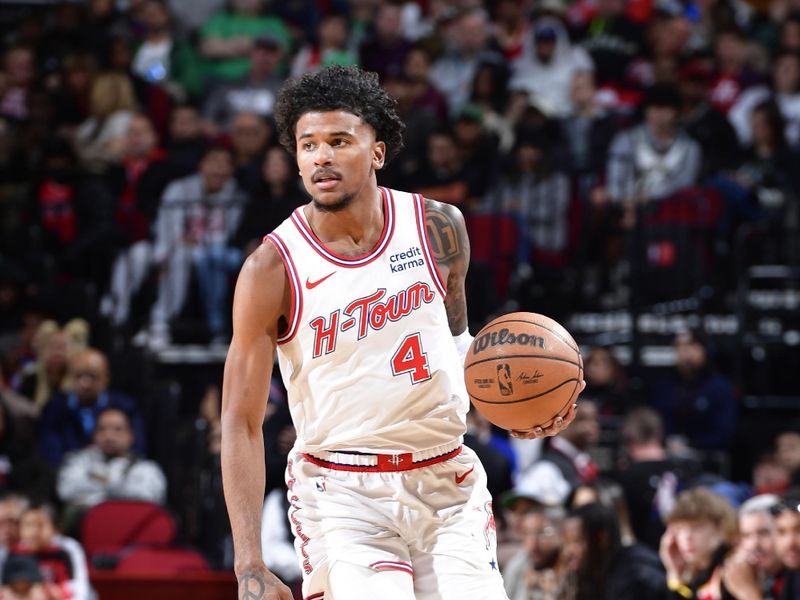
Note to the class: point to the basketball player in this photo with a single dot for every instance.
(361, 293)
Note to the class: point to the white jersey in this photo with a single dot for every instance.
(368, 358)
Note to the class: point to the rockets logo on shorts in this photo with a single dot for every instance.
(490, 529)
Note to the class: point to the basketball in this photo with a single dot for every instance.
(523, 370)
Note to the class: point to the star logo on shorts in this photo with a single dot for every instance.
(493, 564)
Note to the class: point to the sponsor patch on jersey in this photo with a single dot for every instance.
(408, 259)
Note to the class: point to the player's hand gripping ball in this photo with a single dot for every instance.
(523, 373)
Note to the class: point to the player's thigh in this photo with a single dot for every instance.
(347, 581)
(458, 558)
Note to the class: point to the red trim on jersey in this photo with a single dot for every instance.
(295, 288)
(391, 565)
(433, 268)
(387, 463)
(317, 596)
(350, 261)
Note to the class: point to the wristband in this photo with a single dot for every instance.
(463, 341)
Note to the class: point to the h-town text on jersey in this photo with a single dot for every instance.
(368, 313)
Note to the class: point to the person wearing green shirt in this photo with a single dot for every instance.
(227, 38)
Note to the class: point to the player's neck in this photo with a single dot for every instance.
(360, 222)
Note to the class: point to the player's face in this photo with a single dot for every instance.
(787, 538)
(756, 539)
(338, 155)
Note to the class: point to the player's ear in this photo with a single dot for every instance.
(378, 155)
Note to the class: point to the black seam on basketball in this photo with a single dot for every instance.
(502, 357)
(493, 323)
(577, 382)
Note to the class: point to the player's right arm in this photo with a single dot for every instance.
(262, 297)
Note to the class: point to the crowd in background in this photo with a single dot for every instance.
(139, 166)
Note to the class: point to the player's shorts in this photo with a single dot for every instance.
(433, 523)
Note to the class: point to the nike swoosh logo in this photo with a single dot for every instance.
(310, 285)
(460, 478)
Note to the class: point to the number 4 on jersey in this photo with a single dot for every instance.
(410, 358)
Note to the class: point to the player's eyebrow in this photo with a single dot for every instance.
(308, 134)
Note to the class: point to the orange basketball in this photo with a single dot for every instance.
(523, 370)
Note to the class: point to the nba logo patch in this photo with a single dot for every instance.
(321, 485)
(490, 528)
(504, 379)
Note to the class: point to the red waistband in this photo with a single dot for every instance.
(387, 463)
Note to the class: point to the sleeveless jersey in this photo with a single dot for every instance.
(368, 359)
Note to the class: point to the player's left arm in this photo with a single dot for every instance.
(447, 234)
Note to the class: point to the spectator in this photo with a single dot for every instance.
(466, 39)
(443, 175)
(490, 95)
(21, 466)
(651, 479)
(186, 141)
(61, 560)
(46, 374)
(23, 581)
(511, 28)
(784, 90)
(565, 463)
(19, 70)
(251, 135)
(703, 122)
(422, 93)
(477, 149)
(604, 568)
(109, 469)
(100, 139)
(547, 68)
(733, 73)
(695, 401)
(68, 420)
(11, 508)
(273, 201)
(386, 49)
(787, 542)
(700, 531)
(536, 192)
(606, 381)
(78, 71)
(538, 571)
(254, 94)
(163, 58)
(227, 38)
(653, 160)
(331, 47)
(787, 453)
(196, 219)
(755, 570)
(612, 40)
(610, 495)
(494, 451)
(587, 130)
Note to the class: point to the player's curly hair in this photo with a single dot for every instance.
(345, 88)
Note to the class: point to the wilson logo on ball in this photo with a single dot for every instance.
(504, 336)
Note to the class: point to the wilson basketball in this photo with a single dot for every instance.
(523, 370)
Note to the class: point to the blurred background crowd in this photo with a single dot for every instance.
(628, 167)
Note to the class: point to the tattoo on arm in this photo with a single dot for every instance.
(442, 234)
(450, 246)
(253, 587)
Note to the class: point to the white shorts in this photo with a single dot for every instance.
(433, 525)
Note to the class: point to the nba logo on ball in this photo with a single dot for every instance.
(504, 379)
